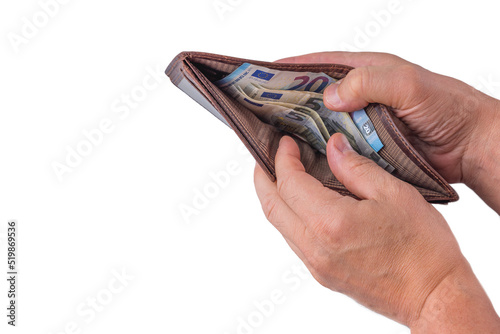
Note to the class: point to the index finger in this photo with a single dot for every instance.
(354, 59)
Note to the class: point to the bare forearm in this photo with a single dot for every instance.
(458, 305)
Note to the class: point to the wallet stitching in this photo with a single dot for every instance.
(342, 68)
(259, 146)
(437, 178)
(263, 148)
(233, 118)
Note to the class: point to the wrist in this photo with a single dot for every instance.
(457, 305)
(481, 160)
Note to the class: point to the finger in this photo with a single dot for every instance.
(301, 192)
(354, 59)
(396, 86)
(288, 224)
(276, 210)
(360, 175)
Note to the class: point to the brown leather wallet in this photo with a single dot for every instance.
(196, 72)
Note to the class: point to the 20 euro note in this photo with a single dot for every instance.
(334, 121)
(275, 79)
(296, 81)
(367, 129)
(286, 119)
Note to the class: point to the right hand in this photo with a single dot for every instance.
(449, 120)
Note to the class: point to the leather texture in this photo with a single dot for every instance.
(195, 72)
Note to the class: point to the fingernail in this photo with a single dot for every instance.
(331, 94)
(342, 144)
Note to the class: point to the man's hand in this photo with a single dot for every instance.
(454, 126)
(391, 251)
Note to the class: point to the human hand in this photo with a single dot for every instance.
(454, 126)
(391, 251)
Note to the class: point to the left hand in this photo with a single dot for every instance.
(389, 251)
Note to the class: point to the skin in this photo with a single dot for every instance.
(392, 251)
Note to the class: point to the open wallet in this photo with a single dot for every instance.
(195, 74)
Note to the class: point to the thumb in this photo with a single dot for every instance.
(360, 175)
(370, 84)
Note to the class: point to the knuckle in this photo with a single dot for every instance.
(409, 71)
(390, 188)
(319, 264)
(338, 229)
(393, 59)
(269, 206)
(286, 186)
(390, 56)
(283, 182)
(411, 77)
(332, 230)
(321, 279)
(357, 79)
(340, 220)
(362, 167)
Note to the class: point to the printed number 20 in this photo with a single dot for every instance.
(305, 80)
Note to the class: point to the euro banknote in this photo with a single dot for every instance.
(340, 122)
(297, 81)
(293, 102)
(284, 118)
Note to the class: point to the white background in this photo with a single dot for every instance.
(119, 208)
